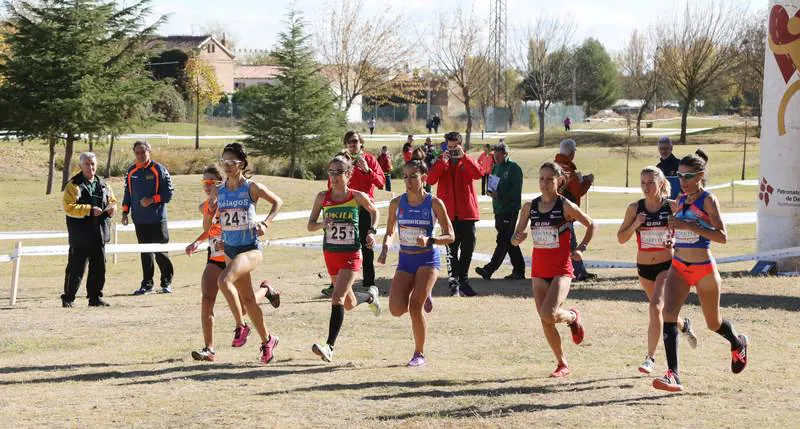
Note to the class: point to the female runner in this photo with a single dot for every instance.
(342, 246)
(236, 202)
(414, 213)
(648, 218)
(549, 216)
(697, 222)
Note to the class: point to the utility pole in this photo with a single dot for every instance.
(428, 113)
(498, 20)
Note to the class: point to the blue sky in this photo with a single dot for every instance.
(256, 23)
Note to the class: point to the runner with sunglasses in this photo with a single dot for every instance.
(236, 202)
(342, 209)
(648, 219)
(697, 222)
(415, 213)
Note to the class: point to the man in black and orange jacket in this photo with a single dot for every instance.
(148, 189)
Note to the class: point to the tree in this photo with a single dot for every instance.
(596, 76)
(222, 33)
(69, 65)
(637, 64)
(752, 46)
(543, 56)
(296, 118)
(456, 43)
(697, 48)
(201, 82)
(364, 55)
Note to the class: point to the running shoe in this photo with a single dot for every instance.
(484, 273)
(273, 296)
(691, 338)
(576, 327)
(67, 304)
(98, 302)
(268, 348)
(515, 276)
(739, 356)
(416, 361)
(648, 365)
(324, 351)
(166, 289)
(143, 291)
(375, 305)
(669, 382)
(428, 307)
(454, 290)
(240, 335)
(562, 370)
(328, 291)
(206, 354)
(465, 288)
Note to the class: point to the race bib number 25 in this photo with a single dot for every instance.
(341, 234)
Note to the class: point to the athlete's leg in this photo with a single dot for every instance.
(239, 269)
(400, 293)
(709, 294)
(548, 297)
(423, 283)
(209, 289)
(675, 292)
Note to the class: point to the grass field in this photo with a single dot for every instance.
(129, 365)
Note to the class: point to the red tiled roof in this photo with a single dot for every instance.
(256, 72)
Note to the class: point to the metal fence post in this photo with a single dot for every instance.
(15, 273)
(115, 236)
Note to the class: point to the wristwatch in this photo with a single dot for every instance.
(372, 230)
(581, 248)
(430, 242)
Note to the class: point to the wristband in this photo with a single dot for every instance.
(430, 242)
(372, 230)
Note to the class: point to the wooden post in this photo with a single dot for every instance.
(587, 202)
(733, 194)
(115, 235)
(15, 273)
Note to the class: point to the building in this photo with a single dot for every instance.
(245, 75)
(206, 47)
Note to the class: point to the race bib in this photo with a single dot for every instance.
(653, 238)
(341, 234)
(545, 237)
(409, 234)
(213, 243)
(683, 236)
(234, 219)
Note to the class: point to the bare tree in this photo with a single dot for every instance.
(638, 65)
(221, 32)
(697, 48)
(456, 50)
(543, 56)
(752, 46)
(362, 55)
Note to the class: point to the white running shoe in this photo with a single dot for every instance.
(324, 351)
(689, 333)
(647, 366)
(375, 305)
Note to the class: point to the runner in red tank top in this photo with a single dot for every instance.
(549, 216)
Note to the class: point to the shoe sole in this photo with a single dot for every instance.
(746, 344)
(375, 306)
(660, 385)
(579, 326)
(198, 357)
(273, 350)
(317, 351)
(416, 366)
(428, 306)
(644, 371)
(560, 374)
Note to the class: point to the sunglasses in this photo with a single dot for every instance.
(688, 176)
(211, 182)
(411, 176)
(335, 172)
(353, 141)
(229, 162)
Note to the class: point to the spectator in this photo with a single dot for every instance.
(567, 123)
(576, 186)
(454, 172)
(148, 190)
(408, 149)
(430, 157)
(668, 164)
(89, 204)
(486, 161)
(429, 124)
(385, 161)
(506, 202)
(437, 122)
(371, 125)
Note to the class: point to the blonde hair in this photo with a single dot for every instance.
(666, 188)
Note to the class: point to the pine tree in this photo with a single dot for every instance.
(296, 118)
(596, 76)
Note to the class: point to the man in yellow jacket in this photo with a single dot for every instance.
(89, 204)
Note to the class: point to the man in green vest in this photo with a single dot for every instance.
(505, 188)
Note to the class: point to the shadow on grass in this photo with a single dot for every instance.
(472, 412)
(336, 387)
(68, 367)
(728, 299)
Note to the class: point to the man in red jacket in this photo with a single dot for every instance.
(454, 174)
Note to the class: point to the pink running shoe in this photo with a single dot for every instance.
(240, 335)
(416, 361)
(562, 370)
(428, 307)
(268, 348)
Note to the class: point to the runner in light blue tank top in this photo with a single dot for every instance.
(237, 212)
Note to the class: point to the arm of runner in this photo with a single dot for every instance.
(521, 232)
(391, 223)
(719, 234)
(575, 213)
(630, 224)
(260, 191)
(447, 236)
(313, 217)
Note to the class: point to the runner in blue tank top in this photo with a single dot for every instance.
(414, 214)
(236, 203)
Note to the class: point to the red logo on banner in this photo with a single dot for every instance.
(765, 191)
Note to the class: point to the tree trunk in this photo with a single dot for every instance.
(66, 171)
(469, 120)
(684, 121)
(110, 153)
(197, 123)
(51, 165)
(292, 165)
(541, 124)
(639, 122)
(91, 143)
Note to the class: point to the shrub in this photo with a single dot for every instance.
(170, 105)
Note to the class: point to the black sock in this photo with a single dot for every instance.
(727, 331)
(337, 318)
(671, 345)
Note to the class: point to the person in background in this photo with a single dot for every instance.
(506, 202)
(486, 161)
(371, 125)
(576, 186)
(567, 123)
(385, 161)
(408, 150)
(668, 164)
(437, 122)
(89, 204)
(148, 190)
(429, 125)
(454, 172)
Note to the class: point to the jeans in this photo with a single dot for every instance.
(388, 186)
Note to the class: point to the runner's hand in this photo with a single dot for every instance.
(382, 256)
(191, 248)
(519, 238)
(124, 219)
(640, 220)
(370, 241)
